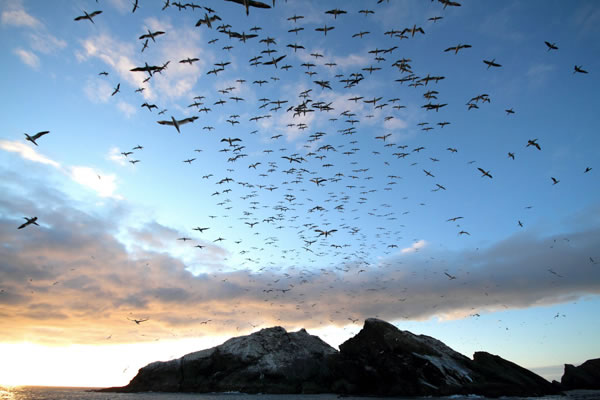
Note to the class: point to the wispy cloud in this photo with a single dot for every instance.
(416, 246)
(540, 73)
(45, 42)
(28, 57)
(118, 55)
(98, 91)
(103, 184)
(114, 155)
(175, 45)
(27, 152)
(19, 17)
(586, 17)
(123, 6)
(126, 108)
(40, 40)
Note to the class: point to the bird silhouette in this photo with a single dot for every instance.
(35, 137)
(28, 222)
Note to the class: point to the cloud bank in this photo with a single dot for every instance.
(73, 275)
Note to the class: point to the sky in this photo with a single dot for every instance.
(374, 171)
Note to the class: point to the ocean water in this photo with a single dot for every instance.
(60, 393)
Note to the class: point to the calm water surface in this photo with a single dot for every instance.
(57, 393)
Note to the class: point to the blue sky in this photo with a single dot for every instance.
(107, 247)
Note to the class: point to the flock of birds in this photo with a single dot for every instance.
(341, 187)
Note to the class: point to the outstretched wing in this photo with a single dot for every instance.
(186, 120)
(39, 135)
(170, 123)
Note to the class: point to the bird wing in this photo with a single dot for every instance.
(186, 120)
(39, 135)
(170, 123)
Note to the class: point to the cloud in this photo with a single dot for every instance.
(28, 57)
(351, 61)
(75, 271)
(586, 18)
(40, 39)
(177, 44)
(540, 73)
(20, 17)
(46, 43)
(119, 56)
(414, 247)
(97, 90)
(114, 155)
(395, 124)
(27, 152)
(126, 108)
(103, 184)
(123, 6)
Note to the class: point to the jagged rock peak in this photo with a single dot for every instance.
(585, 376)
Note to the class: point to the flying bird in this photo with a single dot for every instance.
(87, 16)
(178, 123)
(335, 12)
(533, 142)
(189, 60)
(451, 277)
(138, 321)
(35, 137)
(29, 221)
(458, 47)
(551, 46)
(325, 233)
(250, 3)
(151, 35)
(492, 63)
(485, 173)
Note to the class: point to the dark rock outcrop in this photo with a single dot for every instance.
(380, 360)
(383, 360)
(585, 376)
(499, 377)
(269, 361)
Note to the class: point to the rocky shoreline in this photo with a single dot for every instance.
(380, 360)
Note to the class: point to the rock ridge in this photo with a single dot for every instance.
(380, 360)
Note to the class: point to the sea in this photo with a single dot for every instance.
(64, 393)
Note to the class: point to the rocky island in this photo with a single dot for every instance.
(380, 360)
